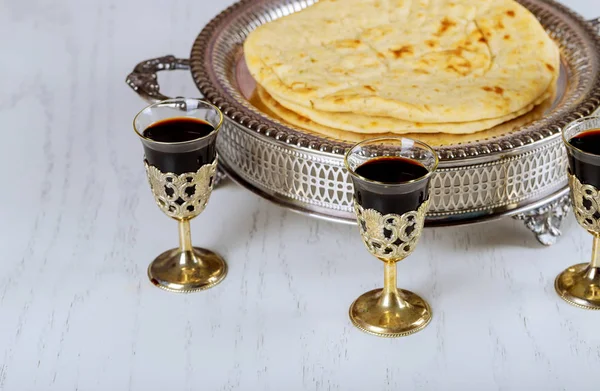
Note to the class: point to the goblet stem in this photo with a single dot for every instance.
(187, 256)
(187, 268)
(592, 272)
(185, 236)
(389, 283)
(595, 262)
(391, 296)
(390, 312)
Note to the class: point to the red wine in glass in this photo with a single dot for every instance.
(585, 167)
(181, 131)
(379, 192)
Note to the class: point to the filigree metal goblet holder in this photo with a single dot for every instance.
(580, 284)
(390, 217)
(181, 176)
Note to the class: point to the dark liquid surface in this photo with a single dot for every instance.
(391, 199)
(588, 141)
(586, 168)
(391, 170)
(176, 130)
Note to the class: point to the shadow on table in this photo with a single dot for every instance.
(501, 233)
(505, 232)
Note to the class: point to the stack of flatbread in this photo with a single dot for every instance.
(368, 67)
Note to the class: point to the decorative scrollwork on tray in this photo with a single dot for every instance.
(182, 196)
(391, 237)
(585, 204)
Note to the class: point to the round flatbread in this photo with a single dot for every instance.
(421, 60)
(266, 104)
(360, 123)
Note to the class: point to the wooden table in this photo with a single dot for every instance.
(78, 228)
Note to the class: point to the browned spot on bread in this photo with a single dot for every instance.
(488, 89)
(372, 65)
(339, 100)
(302, 55)
(499, 24)
(431, 43)
(507, 36)
(422, 71)
(510, 13)
(373, 123)
(418, 125)
(370, 88)
(414, 86)
(483, 39)
(550, 67)
(457, 63)
(313, 60)
(436, 89)
(404, 50)
(347, 43)
(455, 69)
(445, 25)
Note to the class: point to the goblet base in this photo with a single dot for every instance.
(394, 315)
(579, 285)
(187, 271)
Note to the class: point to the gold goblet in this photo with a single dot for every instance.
(580, 284)
(391, 197)
(179, 137)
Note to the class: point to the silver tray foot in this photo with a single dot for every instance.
(545, 220)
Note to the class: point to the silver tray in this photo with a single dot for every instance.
(521, 173)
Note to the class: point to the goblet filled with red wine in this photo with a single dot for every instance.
(178, 136)
(580, 284)
(391, 196)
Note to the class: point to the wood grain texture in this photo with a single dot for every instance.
(78, 229)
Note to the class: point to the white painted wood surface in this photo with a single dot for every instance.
(78, 228)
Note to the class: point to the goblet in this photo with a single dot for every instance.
(178, 136)
(580, 284)
(391, 196)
